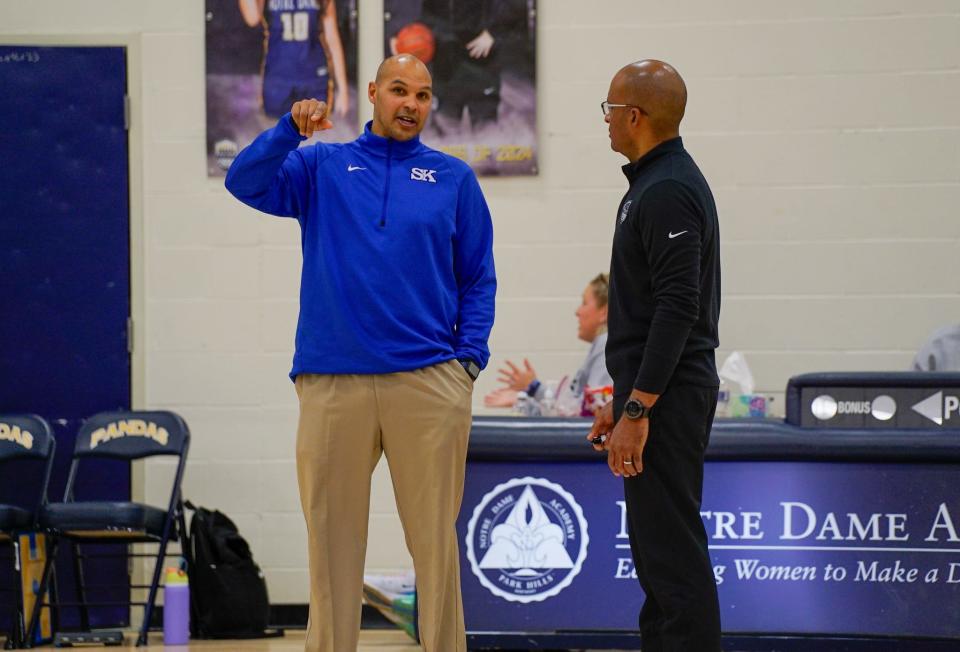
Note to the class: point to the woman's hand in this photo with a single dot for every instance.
(516, 378)
(503, 397)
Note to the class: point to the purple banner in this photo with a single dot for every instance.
(807, 548)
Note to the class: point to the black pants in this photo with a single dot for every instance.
(667, 537)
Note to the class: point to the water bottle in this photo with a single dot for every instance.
(521, 405)
(176, 608)
(723, 400)
(548, 404)
(526, 405)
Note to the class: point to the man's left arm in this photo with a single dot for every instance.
(474, 271)
(671, 229)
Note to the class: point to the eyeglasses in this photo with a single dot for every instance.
(606, 106)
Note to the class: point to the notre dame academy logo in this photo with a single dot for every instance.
(527, 540)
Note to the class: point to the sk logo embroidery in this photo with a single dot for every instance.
(422, 174)
(625, 210)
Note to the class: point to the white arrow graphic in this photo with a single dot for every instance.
(931, 408)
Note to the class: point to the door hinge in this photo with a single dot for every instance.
(126, 112)
(130, 335)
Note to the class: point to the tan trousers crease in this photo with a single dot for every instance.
(421, 421)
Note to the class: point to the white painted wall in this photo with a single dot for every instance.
(830, 132)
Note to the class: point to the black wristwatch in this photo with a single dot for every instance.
(634, 409)
(471, 367)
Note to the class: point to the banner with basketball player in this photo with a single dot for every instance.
(481, 54)
(264, 55)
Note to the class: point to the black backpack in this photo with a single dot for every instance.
(228, 594)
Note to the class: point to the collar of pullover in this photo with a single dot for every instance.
(381, 146)
(633, 170)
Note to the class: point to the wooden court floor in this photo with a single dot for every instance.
(371, 640)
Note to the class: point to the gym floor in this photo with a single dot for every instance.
(370, 641)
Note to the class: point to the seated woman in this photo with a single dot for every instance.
(592, 375)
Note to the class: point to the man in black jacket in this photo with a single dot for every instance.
(664, 306)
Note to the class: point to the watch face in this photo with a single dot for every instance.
(633, 408)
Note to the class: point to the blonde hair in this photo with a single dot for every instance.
(601, 288)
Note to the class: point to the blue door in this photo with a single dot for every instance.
(65, 266)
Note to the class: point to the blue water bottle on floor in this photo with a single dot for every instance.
(176, 608)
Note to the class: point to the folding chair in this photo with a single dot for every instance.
(122, 436)
(26, 442)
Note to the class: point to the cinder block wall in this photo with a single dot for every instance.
(829, 131)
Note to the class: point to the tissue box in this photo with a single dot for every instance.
(748, 405)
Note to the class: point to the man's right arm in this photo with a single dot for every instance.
(272, 175)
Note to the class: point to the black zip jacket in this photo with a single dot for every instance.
(664, 304)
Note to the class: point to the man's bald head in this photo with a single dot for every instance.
(401, 96)
(656, 87)
(402, 65)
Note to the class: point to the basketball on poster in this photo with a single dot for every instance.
(263, 55)
(481, 54)
(416, 39)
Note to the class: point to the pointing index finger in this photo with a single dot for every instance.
(319, 112)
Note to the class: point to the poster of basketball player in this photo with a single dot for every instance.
(482, 57)
(263, 55)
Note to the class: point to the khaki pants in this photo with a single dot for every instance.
(421, 420)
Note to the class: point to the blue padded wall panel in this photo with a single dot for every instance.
(65, 254)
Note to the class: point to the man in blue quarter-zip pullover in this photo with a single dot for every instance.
(396, 305)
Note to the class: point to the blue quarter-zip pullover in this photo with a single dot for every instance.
(397, 249)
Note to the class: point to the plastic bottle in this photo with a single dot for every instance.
(548, 404)
(723, 400)
(526, 405)
(176, 608)
(522, 404)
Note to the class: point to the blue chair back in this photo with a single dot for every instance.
(132, 435)
(25, 436)
(28, 437)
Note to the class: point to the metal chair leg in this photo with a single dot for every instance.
(16, 620)
(34, 621)
(151, 599)
(81, 587)
(54, 591)
(188, 557)
(15, 635)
